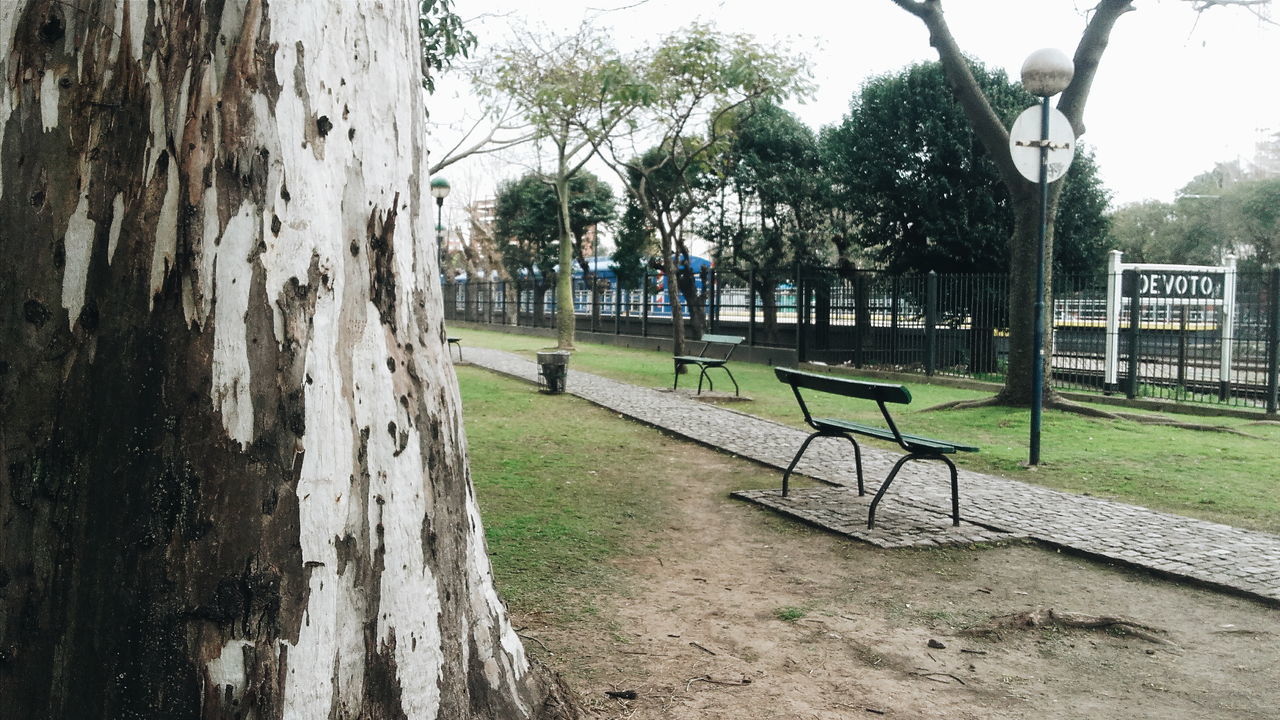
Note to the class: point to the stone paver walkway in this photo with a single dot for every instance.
(916, 511)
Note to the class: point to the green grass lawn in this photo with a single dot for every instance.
(551, 519)
(1216, 476)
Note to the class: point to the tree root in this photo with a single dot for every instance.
(558, 701)
(967, 404)
(1048, 617)
(1056, 402)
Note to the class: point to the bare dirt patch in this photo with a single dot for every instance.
(728, 611)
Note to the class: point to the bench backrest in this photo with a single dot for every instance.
(847, 387)
(881, 393)
(722, 344)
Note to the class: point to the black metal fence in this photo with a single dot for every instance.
(1185, 350)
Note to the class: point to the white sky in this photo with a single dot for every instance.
(1174, 94)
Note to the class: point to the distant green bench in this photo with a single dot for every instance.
(917, 447)
(714, 353)
(455, 342)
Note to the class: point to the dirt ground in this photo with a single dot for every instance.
(732, 612)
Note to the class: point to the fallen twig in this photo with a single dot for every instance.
(540, 643)
(703, 649)
(935, 675)
(713, 681)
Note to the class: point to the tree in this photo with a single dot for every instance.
(557, 85)
(234, 479)
(1023, 194)
(441, 37)
(528, 219)
(633, 245)
(924, 193)
(1138, 230)
(1256, 206)
(689, 83)
(765, 217)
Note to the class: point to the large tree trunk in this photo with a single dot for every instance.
(994, 137)
(1022, 301)
(233, 479)
(565, 318)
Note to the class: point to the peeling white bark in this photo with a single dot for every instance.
(8, 18)
(77, 246)
(117, 219)
(227, 670)
(166, 237)
(135, 14)
(233, 280)
(49, 101)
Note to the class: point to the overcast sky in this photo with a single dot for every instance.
(1175, 93)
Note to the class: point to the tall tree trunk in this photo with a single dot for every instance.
(672, 287)
(565, 318)
(1022, 299)
(233, 479)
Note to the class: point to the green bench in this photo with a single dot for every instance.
(917, 447)
(714, 353)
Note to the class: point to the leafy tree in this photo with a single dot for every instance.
(1256, 206)
(442, 37)
(1143, 231)
(1082, 224)
(990, 129)
(528, 227)
(924, 193)
(683, 91)
(634, 244)
(561, 85)
(765, 217)
(528, 217)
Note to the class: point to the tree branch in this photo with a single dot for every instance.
(988, 127)
(1093, 43)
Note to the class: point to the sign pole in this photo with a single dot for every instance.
(1037, 373)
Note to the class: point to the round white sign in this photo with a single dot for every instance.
(1024, 144)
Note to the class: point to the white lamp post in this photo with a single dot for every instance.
(440, 190)
(1045, 73)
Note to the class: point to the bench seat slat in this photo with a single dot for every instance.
(881, 392)
(914, 441)
(697, 359)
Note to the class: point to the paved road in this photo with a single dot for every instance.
(1244, 561)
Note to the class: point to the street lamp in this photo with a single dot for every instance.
(1045, 73)
(440, 190)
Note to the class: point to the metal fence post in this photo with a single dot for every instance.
(931, 323)
(1273, 343)
(893, 321)
(644, 307)
(617, 306)
(801, 302)
(713, 293)
(1135, 324)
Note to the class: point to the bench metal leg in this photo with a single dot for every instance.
(857, 461)
(955, 487)
(857, 454)
(676, 382)
(735, 381)
(711, 386)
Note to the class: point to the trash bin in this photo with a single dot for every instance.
(553, 369)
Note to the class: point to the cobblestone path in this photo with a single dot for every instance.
(916, 511)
